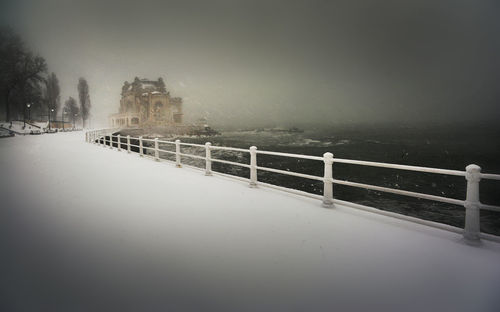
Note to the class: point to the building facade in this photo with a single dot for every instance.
(147, 102)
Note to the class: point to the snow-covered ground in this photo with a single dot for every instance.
(84, 228)
(20, 127)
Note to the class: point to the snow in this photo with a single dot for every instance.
(19, 127)
(41, 124)
(148, 85)
(5, 133)
(87, 228)
(153, 92)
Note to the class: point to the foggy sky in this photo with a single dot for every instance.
(278, 62)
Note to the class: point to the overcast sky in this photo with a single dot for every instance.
(278, 62)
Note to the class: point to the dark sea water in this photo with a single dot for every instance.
(447, 147)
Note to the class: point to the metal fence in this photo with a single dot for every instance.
(472, 174)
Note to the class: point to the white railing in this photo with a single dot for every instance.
(472, 174)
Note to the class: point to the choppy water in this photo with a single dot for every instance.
(439, 147)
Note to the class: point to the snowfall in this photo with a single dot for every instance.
(87, 228)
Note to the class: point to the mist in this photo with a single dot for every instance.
(243, 64)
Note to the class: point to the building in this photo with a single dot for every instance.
(58, 124)
(147, 102)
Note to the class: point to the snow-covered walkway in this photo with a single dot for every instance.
(84, 228)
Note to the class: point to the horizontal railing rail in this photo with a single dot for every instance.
(489, 207)
(472, 173)
(400, 167)
(291, 173)
(230, 162)
(192, 144)
(291, 155)
(234, 149)
(400, 192)
(166, 142)
(490, 176)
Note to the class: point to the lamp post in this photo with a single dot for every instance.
(51, 110)
(74, 121)
(29, 111)
(24, 118)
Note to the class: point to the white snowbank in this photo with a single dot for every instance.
(19, 127)
(83, 226)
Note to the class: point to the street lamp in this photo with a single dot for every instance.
(74, 121)
(51, 110)
(24, 118)
(29, 111)
(28, 106)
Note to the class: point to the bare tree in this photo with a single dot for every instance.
(83, 95)
(20, 73)
(71, 106)
(52, 91)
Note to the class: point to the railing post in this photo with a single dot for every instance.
(141, 152)
(157, 153)
(253, 166)
(178, 153)
(119, 143)
(111, 140)
(327, 180)
(128, 143)
(208, 160)
(472, 227)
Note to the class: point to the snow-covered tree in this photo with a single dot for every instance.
(21, 73)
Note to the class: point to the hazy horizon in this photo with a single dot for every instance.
(265, 63)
